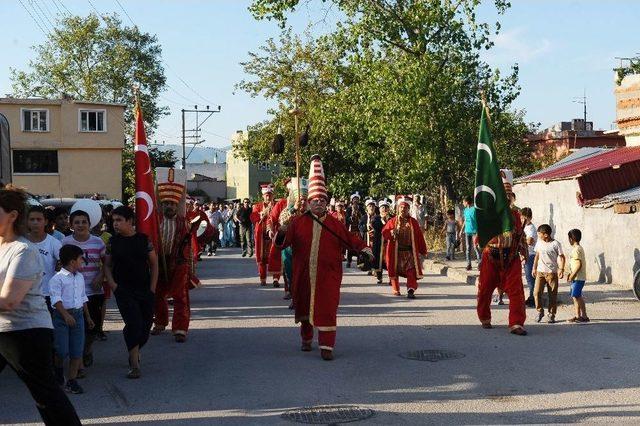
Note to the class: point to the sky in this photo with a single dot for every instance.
(563, 48)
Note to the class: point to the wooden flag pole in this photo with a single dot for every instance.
(296, 112)
(485, 106)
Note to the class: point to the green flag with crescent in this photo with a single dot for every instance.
(493, 213)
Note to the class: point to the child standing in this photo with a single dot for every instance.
(548, 267)
(577, 276)
(450, 230)
(69, 299)
(470, 230)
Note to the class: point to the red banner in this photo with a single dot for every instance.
(146, 214)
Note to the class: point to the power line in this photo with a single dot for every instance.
(63, 6)
(57, 7)
(41, 18)
(34, 19)
(125, 12)
(36, 8)
(44, 4)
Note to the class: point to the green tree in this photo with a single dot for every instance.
(392, 95)
(99, 59)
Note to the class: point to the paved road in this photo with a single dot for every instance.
(242, 364)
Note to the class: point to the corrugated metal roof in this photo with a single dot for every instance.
(577, 155)
(608, 159)
(628, 196)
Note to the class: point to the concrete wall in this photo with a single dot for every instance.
(215, 190)
(88, 162)
(609, 240)
(215, 171)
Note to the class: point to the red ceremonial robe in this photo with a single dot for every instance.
(260, 226)
(273, 224)
(317, 267)
(418, 246)
(177, 278)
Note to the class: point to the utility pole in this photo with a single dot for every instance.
(184, 155)
(196, 132)
(583, 100)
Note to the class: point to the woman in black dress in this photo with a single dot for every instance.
(132, 273)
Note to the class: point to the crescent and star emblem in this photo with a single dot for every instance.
(147, 198)
(485, 147)
(143, 148)
(483, 188)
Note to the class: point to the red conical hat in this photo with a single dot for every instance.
(317, 182)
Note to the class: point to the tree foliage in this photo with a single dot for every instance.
(392, 95)
(99, 59)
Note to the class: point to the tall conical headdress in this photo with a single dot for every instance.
(317, 182)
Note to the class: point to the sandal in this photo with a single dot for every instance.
(584, 319)
(157, 330)
(134, 373)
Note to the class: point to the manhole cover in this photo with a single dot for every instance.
(328, 414)
(431, 355)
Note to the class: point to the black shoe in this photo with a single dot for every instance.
(59, 374)
(102, 336)
(244, 254)
(87, 360)
(540, 316)
(468, 267)
(276, 284)
(72, 386)
(410, 294)
(530, 303)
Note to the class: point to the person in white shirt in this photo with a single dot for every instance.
(71, 313)
(548, 267)
(48, 247)
(215, 219)
(531, 237)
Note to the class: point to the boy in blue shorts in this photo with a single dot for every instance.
(577, 276)
(69, 300)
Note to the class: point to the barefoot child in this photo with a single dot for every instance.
(577, 276)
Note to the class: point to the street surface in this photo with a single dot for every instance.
(242, 363)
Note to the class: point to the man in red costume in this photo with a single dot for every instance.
(404, 249)
(501, 268)
(318, 241)
(263, 240)
(177, 274)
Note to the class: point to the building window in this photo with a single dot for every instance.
(35, 161)
(35, 120)
(93, 121)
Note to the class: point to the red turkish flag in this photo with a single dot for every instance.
(146, 214)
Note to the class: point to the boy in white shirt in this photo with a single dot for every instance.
(69, 299)
(48, 247)
(548, 267)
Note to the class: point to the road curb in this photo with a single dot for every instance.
(435, 267)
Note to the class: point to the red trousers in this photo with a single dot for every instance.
(262, 270)
(181, 307)
(507, 279)
(412, 281)
(326, 339)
